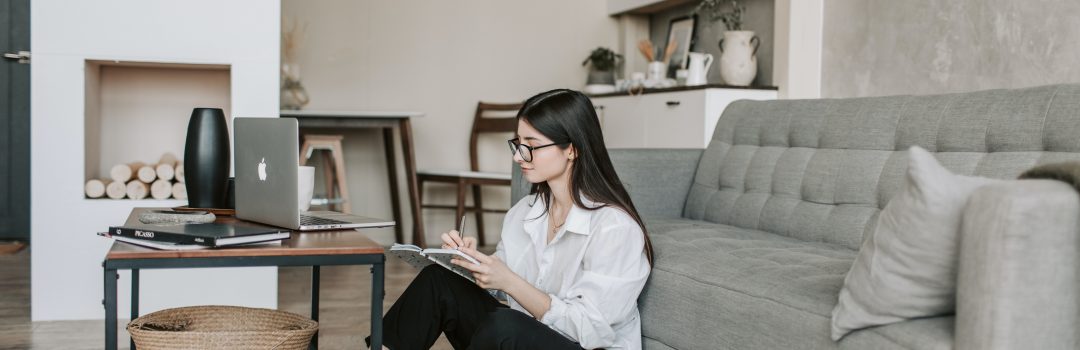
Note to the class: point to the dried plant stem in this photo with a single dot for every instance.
(646, 48)
(291, 33)
(671, 45)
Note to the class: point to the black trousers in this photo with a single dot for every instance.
(438, 301)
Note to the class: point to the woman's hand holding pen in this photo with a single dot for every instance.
(491, 272)
(453, 240)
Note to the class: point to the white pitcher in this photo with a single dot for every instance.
(699, 68)
(738, 57)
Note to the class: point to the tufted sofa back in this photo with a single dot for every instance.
(821, 170)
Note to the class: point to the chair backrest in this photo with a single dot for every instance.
(491, 118)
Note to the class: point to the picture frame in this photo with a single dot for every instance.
(681, 30)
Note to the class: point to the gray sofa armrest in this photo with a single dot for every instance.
(658, 179)
(1019, 268)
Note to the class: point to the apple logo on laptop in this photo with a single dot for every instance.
(262, 170)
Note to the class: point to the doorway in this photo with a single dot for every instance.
(15, 121)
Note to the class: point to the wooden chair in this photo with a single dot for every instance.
(474, 178)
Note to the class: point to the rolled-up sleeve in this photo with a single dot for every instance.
(604, 296)
(500, 252)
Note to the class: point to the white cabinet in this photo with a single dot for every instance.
(668, 119)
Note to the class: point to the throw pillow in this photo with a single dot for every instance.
(906, 268)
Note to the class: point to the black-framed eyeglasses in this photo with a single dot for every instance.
(526, 151)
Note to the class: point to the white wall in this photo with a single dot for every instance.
(66, 271)
(439, 57)
(797, 62)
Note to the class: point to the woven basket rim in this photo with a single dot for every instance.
(303, 323)
(296, 331)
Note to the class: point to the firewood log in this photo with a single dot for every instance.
(167, 158)
(166, 167)
(165, 171)
(161, 189)
(94, 188)
(179, 190)
(179, 173)
(116, 190)
(124, 172)
(147, 174)
(137, 189)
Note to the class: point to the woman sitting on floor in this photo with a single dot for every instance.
(572, 261)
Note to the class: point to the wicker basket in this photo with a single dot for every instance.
(222, 327)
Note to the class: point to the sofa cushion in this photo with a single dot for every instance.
(934, 333)
(719, 286)
(805, 276)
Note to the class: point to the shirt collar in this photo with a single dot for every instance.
(578, 220)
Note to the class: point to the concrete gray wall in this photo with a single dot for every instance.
(758, 18)
(888, 47)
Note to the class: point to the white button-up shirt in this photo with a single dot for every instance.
(593, 270)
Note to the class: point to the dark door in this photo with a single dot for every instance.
(14, 120)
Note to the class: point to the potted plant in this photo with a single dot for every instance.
(602, 73)
(738, 47)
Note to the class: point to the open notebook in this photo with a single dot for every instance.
(421, 258)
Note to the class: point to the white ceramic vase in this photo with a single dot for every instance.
(293, 94)
(738, 57)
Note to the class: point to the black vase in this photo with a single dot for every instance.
(206, 158)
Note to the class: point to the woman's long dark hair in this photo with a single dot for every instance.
(568, 116)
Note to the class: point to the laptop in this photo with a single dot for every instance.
(267, 168)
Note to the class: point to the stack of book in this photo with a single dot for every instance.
(195, 236)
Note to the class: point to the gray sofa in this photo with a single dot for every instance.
(755, 234)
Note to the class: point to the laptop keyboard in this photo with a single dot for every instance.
(307, 220)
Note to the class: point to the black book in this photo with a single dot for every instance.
(211, 235)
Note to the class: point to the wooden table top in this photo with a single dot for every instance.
(350, 114)
(338, 242)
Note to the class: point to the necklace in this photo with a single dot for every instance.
(555, 228)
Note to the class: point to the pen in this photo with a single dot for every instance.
(461, 231)
(461, 227)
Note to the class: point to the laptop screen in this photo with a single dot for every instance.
(267, 162)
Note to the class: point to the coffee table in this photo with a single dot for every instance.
(315, 249)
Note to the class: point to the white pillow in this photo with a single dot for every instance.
(906, 268)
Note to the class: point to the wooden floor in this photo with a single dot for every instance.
(344, 309)
(10, 247)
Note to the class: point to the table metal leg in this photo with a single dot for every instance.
(376, 305)
(315, 272)
(110, 309)
(134, 299)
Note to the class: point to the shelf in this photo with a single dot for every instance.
(142, 202)
(121, 204)
(350, 114)
(685, 88)
(137, 111)
(641, 7)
